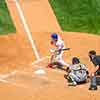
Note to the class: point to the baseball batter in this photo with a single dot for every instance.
(57, 52)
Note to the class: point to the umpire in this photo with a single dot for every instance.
(95, 59)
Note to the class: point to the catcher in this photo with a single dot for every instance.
(57, 52)
(77, 72)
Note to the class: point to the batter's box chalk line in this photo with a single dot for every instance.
(40, 60)
(13, 83)
(3, 76)
(40, 72)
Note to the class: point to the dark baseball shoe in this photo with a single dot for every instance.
(93, 88)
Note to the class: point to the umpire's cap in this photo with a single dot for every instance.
(92, 52)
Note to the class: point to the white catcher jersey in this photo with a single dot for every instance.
(78, 69)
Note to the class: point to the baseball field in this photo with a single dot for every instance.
(27, 50)
(6, 24)
(78, 15)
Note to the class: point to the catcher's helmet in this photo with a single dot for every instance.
(54, 36)
(75, 60)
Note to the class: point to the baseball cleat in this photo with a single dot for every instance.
(93, 88)
(50, 66)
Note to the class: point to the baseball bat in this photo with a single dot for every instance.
(63, 49)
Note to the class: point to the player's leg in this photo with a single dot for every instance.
(94, 81)
(50, 65)
(61, 61)
(81, 77)
(77, 78)
(93, 84)
(72, 77)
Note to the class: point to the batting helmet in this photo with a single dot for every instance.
(54, 36)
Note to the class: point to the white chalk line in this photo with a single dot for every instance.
(52, 70)
(27, 29)
(12, 83)
(3, 76)
(39, 60)
(42, 59)
(46, 78)
(29, 34)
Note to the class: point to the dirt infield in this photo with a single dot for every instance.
(42, 11)
(15, 48)
(17, 78)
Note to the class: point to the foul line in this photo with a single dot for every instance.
(27, 29)
(12, 83)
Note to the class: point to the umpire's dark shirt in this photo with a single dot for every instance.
(96, 62)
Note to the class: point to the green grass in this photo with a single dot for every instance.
(6, 23)
(78, 15)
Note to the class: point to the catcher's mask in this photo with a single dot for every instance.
(75, 60)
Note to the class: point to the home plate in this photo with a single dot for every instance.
(40, 71)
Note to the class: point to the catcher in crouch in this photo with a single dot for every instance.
(57, 52)
(77, 72)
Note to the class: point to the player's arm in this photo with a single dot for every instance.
(96, 68)
(92, 73)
